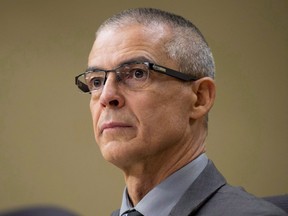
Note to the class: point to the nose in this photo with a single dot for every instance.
(111, 95)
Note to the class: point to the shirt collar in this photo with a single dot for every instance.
(162, 198)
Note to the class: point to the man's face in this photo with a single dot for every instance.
(134, 126)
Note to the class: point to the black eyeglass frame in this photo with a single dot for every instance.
(151, 66)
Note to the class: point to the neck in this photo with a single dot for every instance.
(145, 175)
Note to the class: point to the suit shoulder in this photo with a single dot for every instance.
(230, 200)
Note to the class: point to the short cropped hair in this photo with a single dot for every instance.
(187, 46)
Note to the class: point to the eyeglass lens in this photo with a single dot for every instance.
(131, 75)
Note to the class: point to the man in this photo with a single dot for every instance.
(151, 78)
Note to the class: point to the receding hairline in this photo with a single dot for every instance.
(148, 17)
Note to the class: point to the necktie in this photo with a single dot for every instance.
(132, 213)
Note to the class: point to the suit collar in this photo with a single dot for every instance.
(208, 182)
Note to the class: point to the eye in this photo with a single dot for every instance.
(134, 75)
(94, 81)
(138, 74)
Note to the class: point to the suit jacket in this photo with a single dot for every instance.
(210, 195)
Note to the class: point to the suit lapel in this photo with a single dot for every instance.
(208, 182)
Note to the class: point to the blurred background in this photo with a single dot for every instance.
(47, 150)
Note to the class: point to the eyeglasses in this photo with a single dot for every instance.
(133, 75)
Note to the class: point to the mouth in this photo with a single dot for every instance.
(114, 126)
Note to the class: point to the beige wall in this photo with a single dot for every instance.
(47, 149)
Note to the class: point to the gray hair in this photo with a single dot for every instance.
(187, 46)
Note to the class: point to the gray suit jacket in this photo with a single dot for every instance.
(210, 195)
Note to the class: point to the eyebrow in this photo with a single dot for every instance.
(126, 61)
(135, 59)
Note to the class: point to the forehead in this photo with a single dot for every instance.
(114, 46)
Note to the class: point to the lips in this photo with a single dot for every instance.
(113, 125)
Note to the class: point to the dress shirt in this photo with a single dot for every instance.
(162, 198)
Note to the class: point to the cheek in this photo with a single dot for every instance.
(161, 116)
(161, 131)
(93, 108)
(95, 114)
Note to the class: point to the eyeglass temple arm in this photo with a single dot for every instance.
(173, 73)
(81, 85)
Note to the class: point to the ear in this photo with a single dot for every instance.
(204, 93)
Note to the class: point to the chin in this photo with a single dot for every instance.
(112, 151)
(117, 154)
